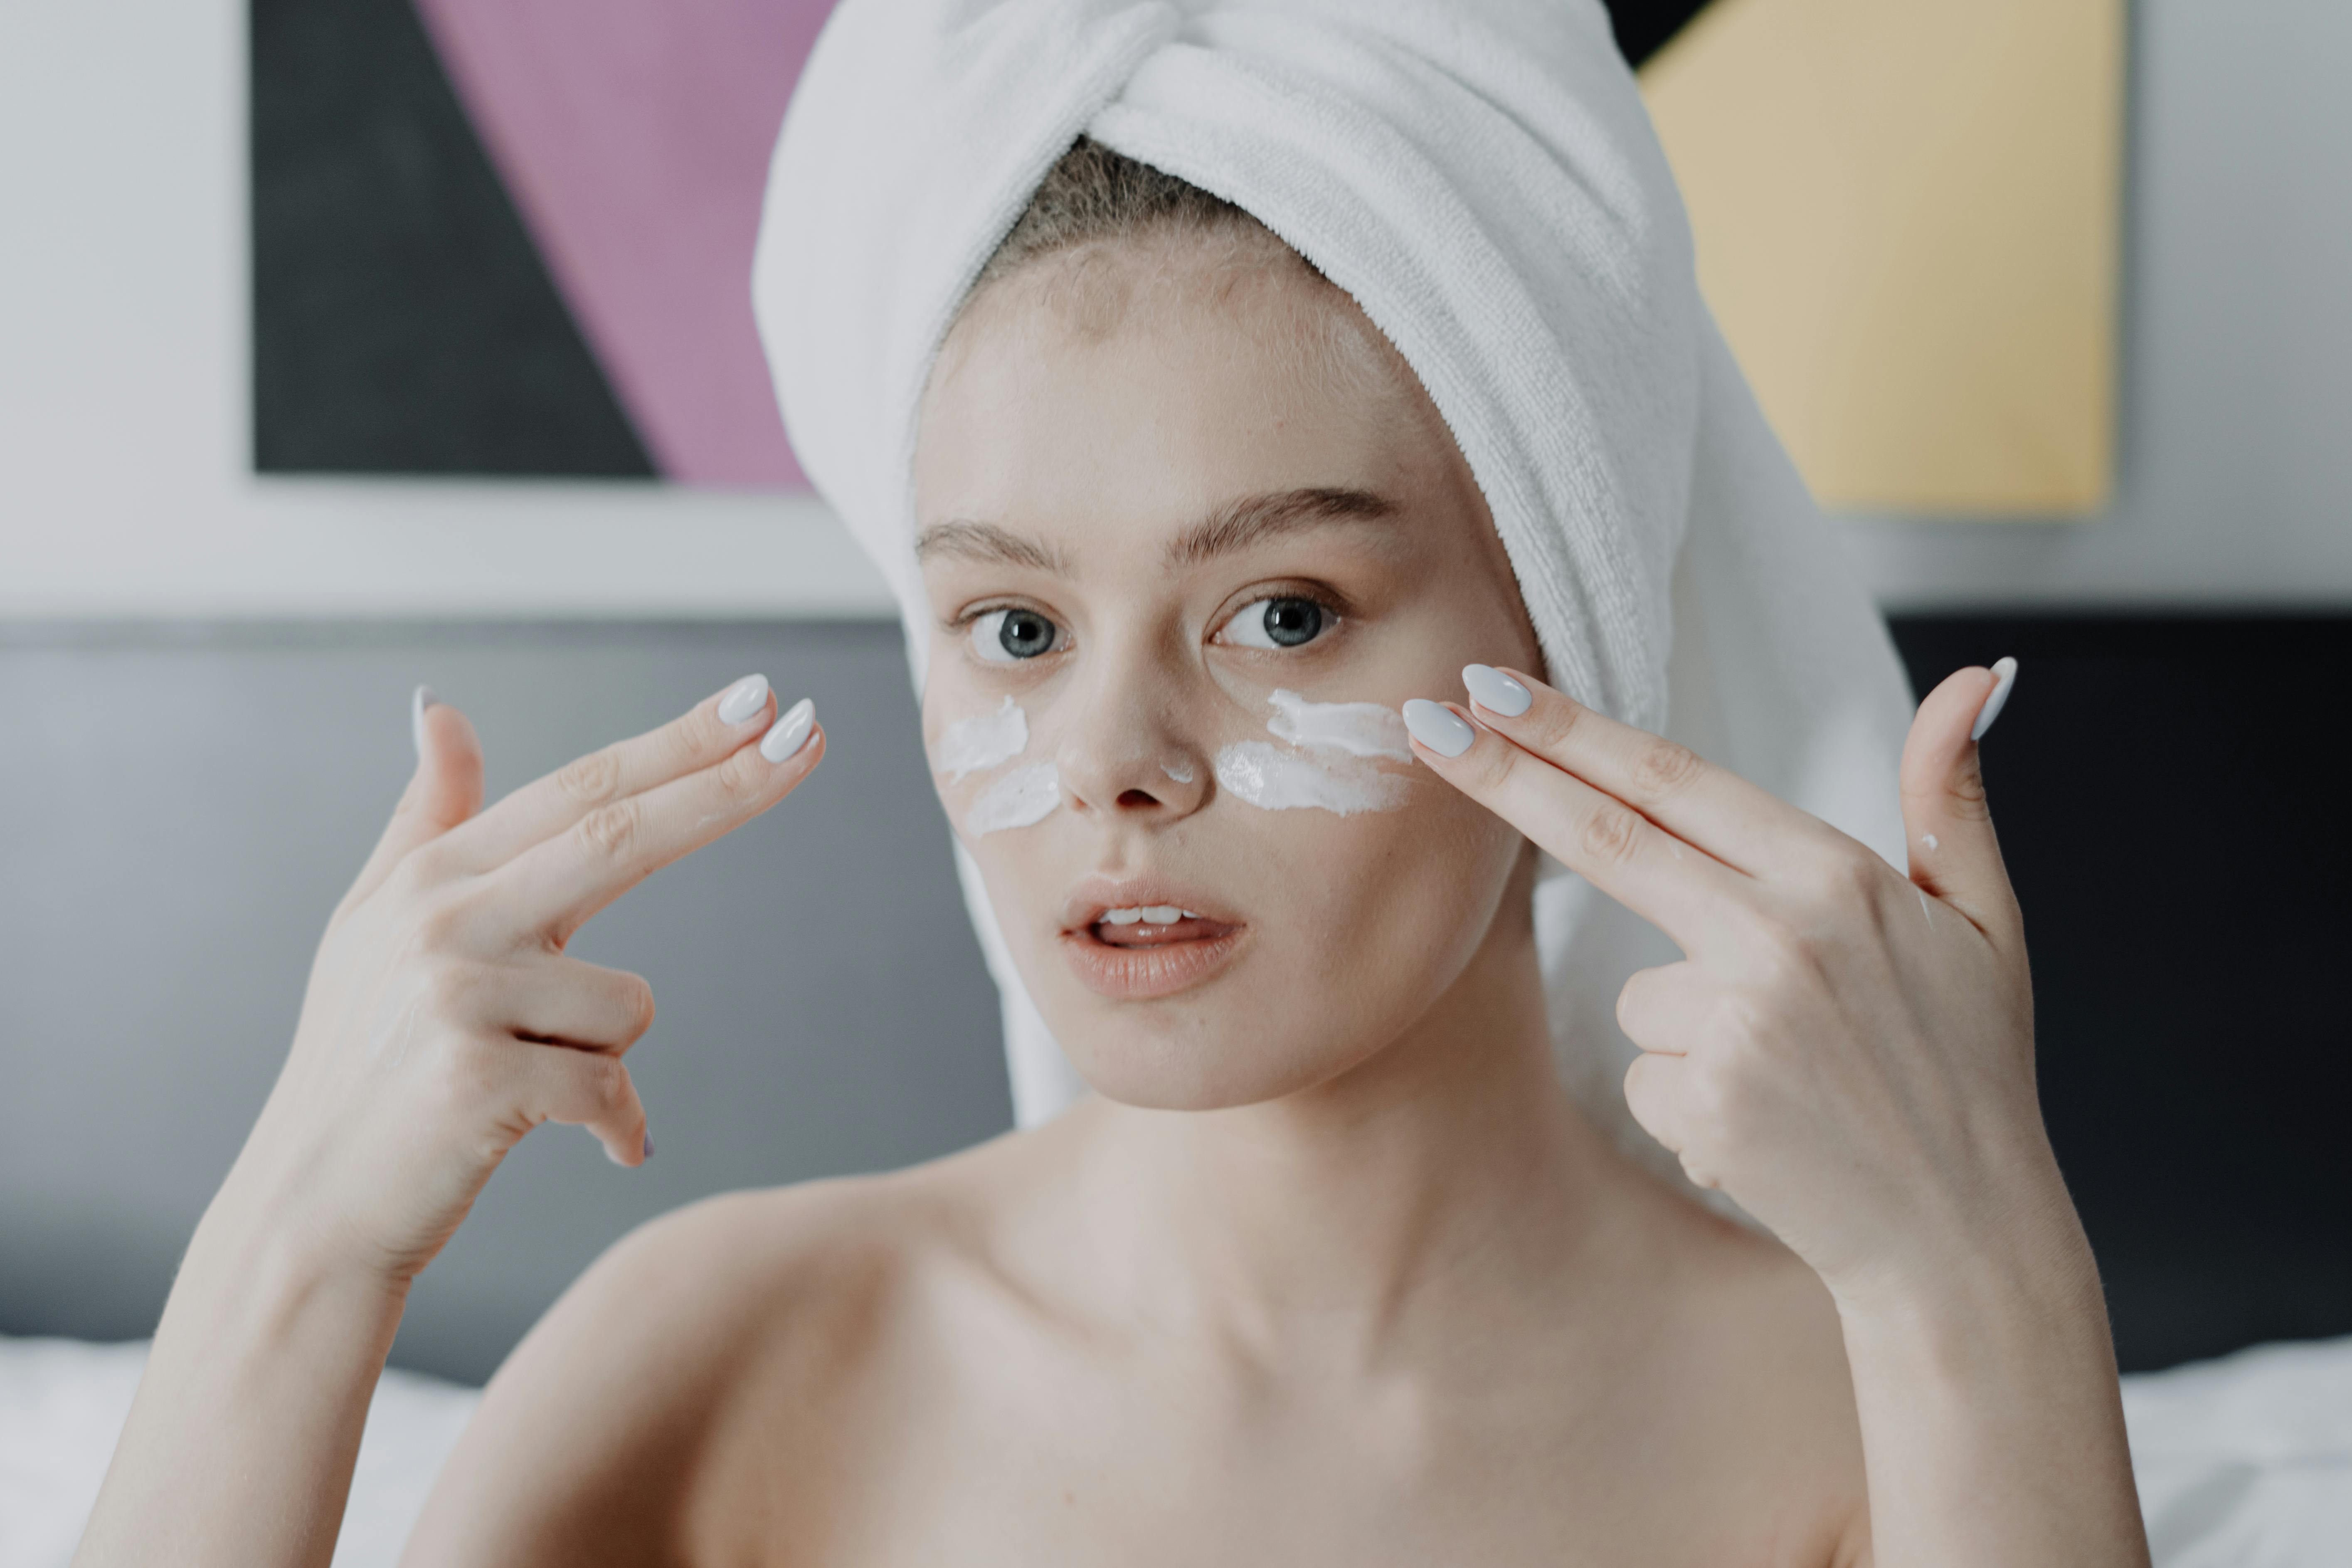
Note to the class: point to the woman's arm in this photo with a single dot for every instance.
(240, 1445)
(1848, 1051)
(442, 1021)
(1991, 1426)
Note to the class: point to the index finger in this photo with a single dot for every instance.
(714, 730)
(557, 885)
(1743, 826)
(1675, 886)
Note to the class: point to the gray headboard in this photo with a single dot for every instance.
(180, 806)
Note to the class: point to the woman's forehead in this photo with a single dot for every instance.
(1068, 416)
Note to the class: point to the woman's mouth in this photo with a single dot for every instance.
(1150, 925)
(1133, 952)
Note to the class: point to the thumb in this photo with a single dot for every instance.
(446, 789)
(1954, 853)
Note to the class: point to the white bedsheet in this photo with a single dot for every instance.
(62, 1402)
(2247, 1461)
(2244, 1462)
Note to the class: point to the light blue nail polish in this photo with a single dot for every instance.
(744, 701)
(1498, 693)
(418, 703)
(2004, 675)
(791, 732)
(1439, 728)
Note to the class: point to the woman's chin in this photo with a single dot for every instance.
(1200, 1063)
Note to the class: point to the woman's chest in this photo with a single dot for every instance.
(1147, 1468)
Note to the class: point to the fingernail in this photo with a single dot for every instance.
(1498, 693)
(743, 700)
(417, 704)
(1438, 727)
(791, 732)
(2004, 675)
(649, 1145)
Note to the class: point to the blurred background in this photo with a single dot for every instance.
(354, 343)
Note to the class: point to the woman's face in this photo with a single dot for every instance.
(1184, 518)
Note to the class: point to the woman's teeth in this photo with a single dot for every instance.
(1149, 914)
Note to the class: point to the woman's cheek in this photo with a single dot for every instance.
(1424, 882)
(981, 760)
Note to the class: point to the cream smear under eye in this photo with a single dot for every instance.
(1273, 779)
(985, 740)
(1015, 799)
(1329, 764)
(1359, 729)
(1021, 798)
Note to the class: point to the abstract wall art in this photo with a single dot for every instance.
(514, 237)
(1907, 214)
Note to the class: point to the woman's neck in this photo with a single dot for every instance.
(1449, 1170)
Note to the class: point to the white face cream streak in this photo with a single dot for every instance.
(1273, 779)
(1015, 799)
(1019, 798)
(1333, 765)
(968, 745)
(1359, 729)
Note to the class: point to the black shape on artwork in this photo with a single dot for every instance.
(2165, 789)
(403, 320)
(1645, 26)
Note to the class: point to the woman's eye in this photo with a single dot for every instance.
(1007, 636)
(1276, 623)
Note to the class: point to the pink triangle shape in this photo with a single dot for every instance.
(635, 136)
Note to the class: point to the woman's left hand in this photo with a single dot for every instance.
(1846, 1050)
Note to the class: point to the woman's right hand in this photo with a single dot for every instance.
(444, 1018)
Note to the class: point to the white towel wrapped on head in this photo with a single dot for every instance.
(1481, 177)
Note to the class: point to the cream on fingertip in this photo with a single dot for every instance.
(2004, 675)
(1498, 693)
(791, 732)
(743, 700)
(1438, 727)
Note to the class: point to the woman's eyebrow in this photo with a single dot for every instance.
(1253, 519)
(987, 542)
(1236, 526)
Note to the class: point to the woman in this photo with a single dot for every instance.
(1191, 522)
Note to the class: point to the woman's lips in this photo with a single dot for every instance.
(1143, 934)
(1138, 962)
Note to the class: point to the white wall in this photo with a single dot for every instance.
(2236, 473)
(124, 416)
(123, 411)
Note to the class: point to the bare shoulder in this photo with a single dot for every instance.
(1759, 1333)
(617, 1429)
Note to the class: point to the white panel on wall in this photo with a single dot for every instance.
(2235, 454)
(125, 487)
(123, 436)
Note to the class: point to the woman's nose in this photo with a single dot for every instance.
(1122, 763)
